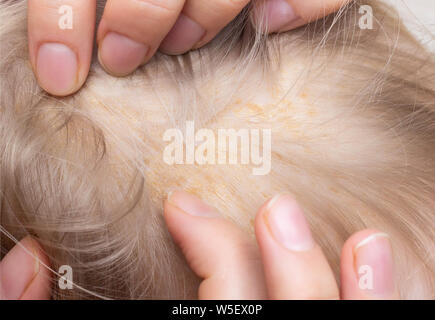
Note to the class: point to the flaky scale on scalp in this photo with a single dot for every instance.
(352, 119)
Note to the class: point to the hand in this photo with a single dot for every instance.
(131, 31)
(22, 275)
(287, 264)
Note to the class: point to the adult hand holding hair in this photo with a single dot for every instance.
(131, 31)
(287, 264)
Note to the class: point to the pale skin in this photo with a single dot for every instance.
(132, 31)
(284, 262)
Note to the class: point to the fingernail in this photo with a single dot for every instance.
(191, 204)
(120, 55)
(374, 263)
(56, 68)
(184, 35)
(279, 14)
(287, 224)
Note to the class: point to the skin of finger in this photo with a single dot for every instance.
(213, 15)
(309, 11)
(349, 280)
(19, 268)
(315, 9)
(144, 21)
(43, 27)
(219, 252)
(293, 275)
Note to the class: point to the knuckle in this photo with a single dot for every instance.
(162, 7)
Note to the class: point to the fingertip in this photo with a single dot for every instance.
(173, 218)
(23, 272)
(60, 39)
(295, 266)
(367, 266)
(191, 204)
(272, 16)
(57, 69)
(216, 250)
(119, 55)
(40, 286)
(187, 217)
(260, 218)
(183, 37)
(356, 238)
(275, 16)
(285, 221)
(349, 279)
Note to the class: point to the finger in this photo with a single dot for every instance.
(284, 15)
(367, 267)
(216, 250)
(294, 265)
(131, 31)
(22, 275)
(60, 43)
(199, 23)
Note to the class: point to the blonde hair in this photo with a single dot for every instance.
(352, 114)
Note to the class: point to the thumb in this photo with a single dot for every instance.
(22, 275)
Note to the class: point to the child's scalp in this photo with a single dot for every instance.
(351, 113)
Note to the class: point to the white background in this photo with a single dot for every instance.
(419, 16)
